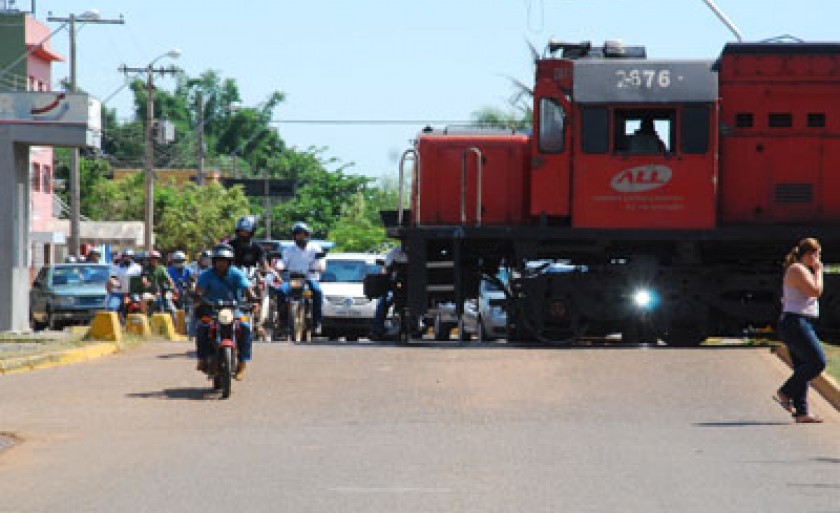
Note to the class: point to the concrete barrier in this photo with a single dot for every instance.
(105, 326)
(824, 384)
(161, 324)
(138, 324)
(180, 322)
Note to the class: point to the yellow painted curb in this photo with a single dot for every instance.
(54, 359)
(138, 324)
(824, 384)
(105, 326)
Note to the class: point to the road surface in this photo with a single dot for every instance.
(350, 428)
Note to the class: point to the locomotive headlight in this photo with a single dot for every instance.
(645, 299)
(226, 316)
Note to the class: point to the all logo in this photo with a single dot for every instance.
(641, 179)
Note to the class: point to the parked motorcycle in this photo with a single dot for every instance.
(224, 329)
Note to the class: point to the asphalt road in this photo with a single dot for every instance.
(351, 428)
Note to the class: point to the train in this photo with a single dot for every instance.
(672, 189)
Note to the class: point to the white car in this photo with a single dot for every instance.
(346, 311)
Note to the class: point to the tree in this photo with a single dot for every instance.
(192, 218)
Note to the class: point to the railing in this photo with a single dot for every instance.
(478, 157)
(415, 186)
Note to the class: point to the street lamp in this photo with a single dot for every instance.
(150, 71)
(90, 16)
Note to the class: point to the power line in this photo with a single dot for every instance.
(372, 122)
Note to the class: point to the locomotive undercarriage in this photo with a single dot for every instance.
(692, 284)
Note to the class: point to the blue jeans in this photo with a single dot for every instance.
(204, 347)
(806, 352)
(317, 298)
(377, 326)
(115, 301)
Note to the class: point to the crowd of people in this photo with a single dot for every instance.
(224, 272)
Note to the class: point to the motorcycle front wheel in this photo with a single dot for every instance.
(226, 370)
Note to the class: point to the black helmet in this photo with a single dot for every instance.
(300, 227)
(223, 251)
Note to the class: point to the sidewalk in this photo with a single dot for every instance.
(30, 351)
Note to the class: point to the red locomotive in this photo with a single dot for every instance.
(686, 180)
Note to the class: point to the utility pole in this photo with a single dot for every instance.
(150, 71)
(75, 196)
(199, 100)
(267, 205)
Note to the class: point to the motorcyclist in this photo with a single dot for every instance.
(383, 304)
(122, 272)
(202, 262)
(182, 275)
(247, 253)
(159, 280)
(223, 282)
(305, 257)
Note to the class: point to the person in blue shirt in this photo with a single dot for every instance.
(182, 276)
(223, 282)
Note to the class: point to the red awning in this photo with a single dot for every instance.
(44, 53)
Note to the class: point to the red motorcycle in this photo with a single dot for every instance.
(224, 325)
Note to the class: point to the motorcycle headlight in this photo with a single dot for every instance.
(226, 316)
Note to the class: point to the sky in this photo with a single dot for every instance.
(401, 63)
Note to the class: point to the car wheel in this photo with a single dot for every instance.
(52, 323)
(35, 325)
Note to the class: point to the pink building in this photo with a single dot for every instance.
(39, 78)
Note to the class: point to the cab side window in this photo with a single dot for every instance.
(552, 136)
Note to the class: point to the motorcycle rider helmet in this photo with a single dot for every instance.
(128, 252)
(223, 251)
(179, 257)
(300, 227)
(246, 224)
(205, 254)
(154, 254)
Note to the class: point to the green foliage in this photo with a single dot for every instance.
(343, 207)
(192, 218)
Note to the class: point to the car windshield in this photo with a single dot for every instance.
(352, 271)
(79, 275)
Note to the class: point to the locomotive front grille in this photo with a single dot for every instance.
(794, 193)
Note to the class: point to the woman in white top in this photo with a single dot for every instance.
(802, 286)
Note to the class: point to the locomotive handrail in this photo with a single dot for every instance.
(415, 185)
(479, 158)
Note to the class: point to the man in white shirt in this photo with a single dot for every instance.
(304, 257)
(122, 271)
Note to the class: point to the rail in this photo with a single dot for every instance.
(478, 158)
(415, 186)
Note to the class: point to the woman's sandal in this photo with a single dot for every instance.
(807, 419)
(784, 401)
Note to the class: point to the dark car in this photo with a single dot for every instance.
(67, 293)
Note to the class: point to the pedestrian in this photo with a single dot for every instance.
(801, 288)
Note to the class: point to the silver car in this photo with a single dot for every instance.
(346, 311)
(67, 293)
(484, 317)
